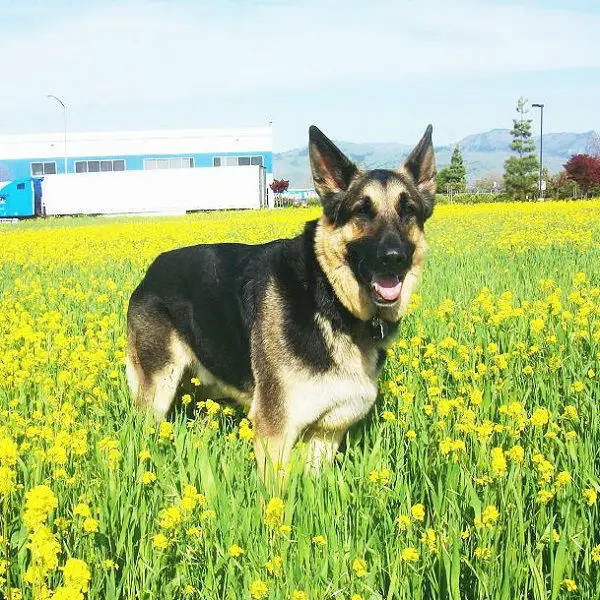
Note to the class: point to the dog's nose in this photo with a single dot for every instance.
(393, 257)
(393, 253)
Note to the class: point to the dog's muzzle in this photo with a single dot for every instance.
(386, 289)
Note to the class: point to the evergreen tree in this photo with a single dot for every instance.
(454, 176)
(442, 180)
(458, 171)
(521, 171)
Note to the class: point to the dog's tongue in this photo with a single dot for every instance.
(387, 286)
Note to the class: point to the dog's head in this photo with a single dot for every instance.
(370, 239)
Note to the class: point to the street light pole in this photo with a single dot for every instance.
(65, 124)
(541, 107)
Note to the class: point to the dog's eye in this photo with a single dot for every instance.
(405, 207)
(364, 208)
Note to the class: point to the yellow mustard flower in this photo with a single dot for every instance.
(359, 566)
(563, 479)
(148, 477)
(170, 518)
(77, 574)
(235, 551)
(259, 589)
(418, 512)
(410, 554)
(540, 417)
(483, 553)
(274, 512)
(160, 541)
(274, 565)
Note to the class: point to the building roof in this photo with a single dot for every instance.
(106, 143)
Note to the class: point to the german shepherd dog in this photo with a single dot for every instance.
(296, 329)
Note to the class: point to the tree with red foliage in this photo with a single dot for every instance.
(279, 186)
(584, 170)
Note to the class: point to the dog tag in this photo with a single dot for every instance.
(378, 329)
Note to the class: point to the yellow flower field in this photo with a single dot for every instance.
(476, 476)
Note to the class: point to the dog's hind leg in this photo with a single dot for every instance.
(156, 391)
(164, 386)
(156, 358)
(133, 370)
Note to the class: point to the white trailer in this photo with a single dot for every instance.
(168, 191)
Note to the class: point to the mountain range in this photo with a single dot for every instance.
(484, 154)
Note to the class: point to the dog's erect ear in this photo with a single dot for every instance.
(332, 170)
(421, 163)
(421, 166)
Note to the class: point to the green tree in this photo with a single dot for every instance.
(458, 171)
(521, 171)
(442, 180)
(560, 186)
(455, 175)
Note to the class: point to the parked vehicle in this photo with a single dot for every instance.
(168, 191)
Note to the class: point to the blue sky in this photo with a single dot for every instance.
(362, 71)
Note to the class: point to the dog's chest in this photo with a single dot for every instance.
(349, 398)
(341, 396)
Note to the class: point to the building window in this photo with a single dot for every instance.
(237, 161)
(186, 162)
(39, 169)
(97, 166)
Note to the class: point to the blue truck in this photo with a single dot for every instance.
(21, 198)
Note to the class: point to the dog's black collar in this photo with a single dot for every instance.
(379, 328)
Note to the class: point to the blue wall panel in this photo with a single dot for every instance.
(21, 168)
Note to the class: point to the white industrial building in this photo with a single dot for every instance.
(75, 159)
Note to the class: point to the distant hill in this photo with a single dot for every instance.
(484, 154)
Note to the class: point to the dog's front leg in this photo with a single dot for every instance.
(272, 454)
(274, 438)
(322, 445)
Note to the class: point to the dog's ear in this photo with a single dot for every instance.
(332, 170)
(420, 164)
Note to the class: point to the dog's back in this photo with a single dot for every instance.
(195, 308)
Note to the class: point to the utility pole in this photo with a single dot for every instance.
(540, 190)
(64, 123)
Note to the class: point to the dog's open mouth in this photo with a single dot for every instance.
(386, 289)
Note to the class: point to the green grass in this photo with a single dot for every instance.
(64, 286)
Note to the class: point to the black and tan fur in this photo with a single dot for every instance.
(295, 330)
